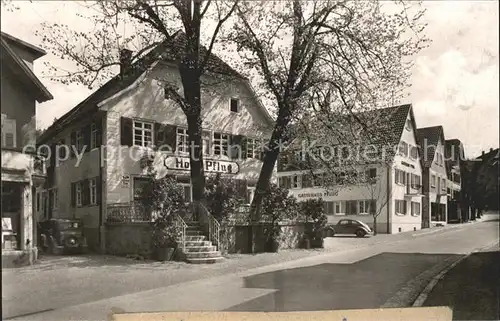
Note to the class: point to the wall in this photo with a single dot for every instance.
(351, 192)
(69, 170)
(18, 104)
(410, 165)
(18, 167)
(124, 239)
(236, 239)
(147, 102)
(26, 55)
(438, 169)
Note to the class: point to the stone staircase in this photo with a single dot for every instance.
(199, 250)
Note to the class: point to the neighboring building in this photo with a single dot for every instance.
(454, 154)
(389, 189)
(488, 179)
(431, 142)
(132, 114)
(22, 172)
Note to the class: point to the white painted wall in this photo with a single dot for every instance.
(146, 101)
(438, 169)
(349, 193)
(406, 222)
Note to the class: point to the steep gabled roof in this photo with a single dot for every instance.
(386, 127)
(428, 138)
(168, 51)
(37, 52)
(396, 117)
(19, 67)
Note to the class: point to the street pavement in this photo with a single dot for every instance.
(382, 271)
(471, 288)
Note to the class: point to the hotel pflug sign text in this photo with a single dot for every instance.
(209, 165)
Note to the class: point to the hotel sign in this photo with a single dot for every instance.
(318, 194)
(209, 165)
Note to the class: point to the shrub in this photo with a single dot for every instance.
(222, 197)
(277, 205)
(163, 198)
(314, 212)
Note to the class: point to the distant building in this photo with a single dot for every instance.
(132, 115)
(389, 188)
(489, 178)
(432, 150)
(455, 156)
(22, 172)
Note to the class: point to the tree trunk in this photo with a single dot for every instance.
(196, 157)
(268, 163)
(192, 94)
(374, 225)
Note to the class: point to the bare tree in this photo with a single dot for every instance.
(146, 25)
(376, 192)
(347, 56)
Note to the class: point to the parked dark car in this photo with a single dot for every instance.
(347, 226)
(58, 236)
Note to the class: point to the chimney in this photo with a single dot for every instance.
(491, 149)
(125, 61)
(482, 153)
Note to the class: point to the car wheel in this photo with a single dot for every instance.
(360, 233)
(54, 249)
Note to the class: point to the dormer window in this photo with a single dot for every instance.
(234, 105)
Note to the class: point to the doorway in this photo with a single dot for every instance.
(11, 215)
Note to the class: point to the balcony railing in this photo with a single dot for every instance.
(132, 212)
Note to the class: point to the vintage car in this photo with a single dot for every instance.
(58, 236)
(346, 226)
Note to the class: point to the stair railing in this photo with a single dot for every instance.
(213, 227)
(182, 226)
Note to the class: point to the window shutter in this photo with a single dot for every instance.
(159, 135)
(85, 192)
(373, 207)
(241, 189)
(126, 131)
(98, 188)
(73, 195)
(170, 136)
(73, 144)
(98, 126)
(86, 138)
(52, 164)
(243, 146)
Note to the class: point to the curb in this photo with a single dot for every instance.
(447, 227)
(428, 289)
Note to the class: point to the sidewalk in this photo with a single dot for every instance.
(472, 288)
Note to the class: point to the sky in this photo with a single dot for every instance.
(454, 81)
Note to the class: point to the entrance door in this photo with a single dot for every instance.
(11, 215)
(434, 211)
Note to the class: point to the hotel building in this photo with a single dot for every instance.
(131, 114)
(389, 190)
